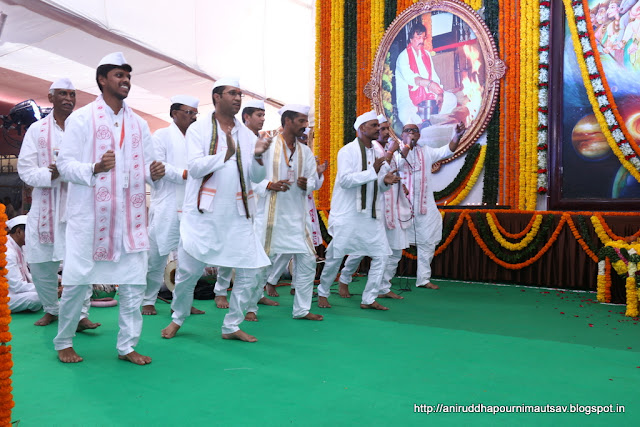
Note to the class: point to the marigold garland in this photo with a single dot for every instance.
(515, 246)
(504, 232)
(6, 398)
(597, 90)
(470, 161)
(473, 178)
(581, 240)
(597, 226)
(611, 234)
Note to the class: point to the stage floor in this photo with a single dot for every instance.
(464, 344)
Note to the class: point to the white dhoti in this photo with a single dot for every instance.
(279, 265)
(390, 270)
(350, 267)
(24, 301)
(74, 306)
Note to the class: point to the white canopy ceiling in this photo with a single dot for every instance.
(173, 47)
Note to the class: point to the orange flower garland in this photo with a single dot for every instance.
(363, 104)
(512, 235)
(451, 236)
(610, 233)
(580, 240)
(6, 398)
(520, 265)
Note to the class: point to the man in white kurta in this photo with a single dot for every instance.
(46, 221)
(253, 117)
(106, 156)
(224, 158)
(167, 196)
(356, 218)
(282, 220)
(397, 216)
(426, 228)
(22, 292)
(417, 80)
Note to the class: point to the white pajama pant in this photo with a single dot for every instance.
(45, 279)
(24, 301)
(223, 281)
(304, 275)
(129, 318)
(390, 270)
(350, 266)
(155, 272)
(190, 270)
(277, 268)
(425, 256)
(374, 279)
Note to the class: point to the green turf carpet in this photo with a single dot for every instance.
(463, 344)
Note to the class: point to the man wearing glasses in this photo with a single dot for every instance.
(167, 196)
(223, 159)
(426, 230)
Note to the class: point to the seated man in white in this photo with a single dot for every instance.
(22, 291)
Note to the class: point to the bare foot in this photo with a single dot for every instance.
(390, 294)
(170, 331)
(46, 319)
(343, 290)
(135, 357)
(196, 311)
(267, 301)
(311, 316)
(149, 310)
(374, 305)
(240, 335)
(292, 291)
(323, 302)
(221, 301)
(69, 355)
(251, 317)
(87, 324)
(271, 290)
(429, 285)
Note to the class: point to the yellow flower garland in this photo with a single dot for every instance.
(514, 246)
(602, 235)
(632, 291)
(475, 4)
(571, 20)
(472, 179)
(337, 84)
(529, 20)
(601, 281)
(377, 25)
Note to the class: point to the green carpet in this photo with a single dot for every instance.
(463, 344)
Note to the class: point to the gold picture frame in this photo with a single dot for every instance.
(457, 53)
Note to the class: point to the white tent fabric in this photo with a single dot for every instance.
(173, 47)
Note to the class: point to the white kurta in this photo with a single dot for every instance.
(75, 165)
(426, 228)
(353, 229)
(168, 195)
(397, 236)
(224, 236)
(22, 292)
(39, 178)
(291, 222)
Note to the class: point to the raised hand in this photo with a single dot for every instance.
(378, 163)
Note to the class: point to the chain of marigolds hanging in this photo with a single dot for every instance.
(624, 259)
(337, 84)
(461, 177)
(6, 364)
(517, 256)
(597, 88)
(322, 125)
(582, 236)
(449, 231)
(515, 246)
(473, 178)
(605, 233)
(377, 26)
(529, 27)
(543, 97)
